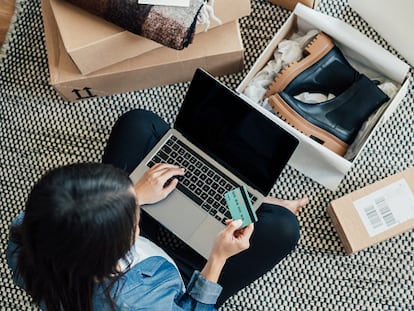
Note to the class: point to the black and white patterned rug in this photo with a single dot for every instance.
(39, 130)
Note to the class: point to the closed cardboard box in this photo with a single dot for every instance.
(219, 51)
(94, 43)
(312, 158)
(376, 212)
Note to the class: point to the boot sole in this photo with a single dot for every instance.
(315, 50)
(286, 113)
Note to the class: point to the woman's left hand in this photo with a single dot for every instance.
(230, 241)
(152, 186)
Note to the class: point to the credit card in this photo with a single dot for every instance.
(240, 206)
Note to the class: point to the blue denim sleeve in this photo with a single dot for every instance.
(201, 294)
(12, 253)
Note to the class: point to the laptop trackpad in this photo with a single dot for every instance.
(177, 213)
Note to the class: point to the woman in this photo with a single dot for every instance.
(83, 243)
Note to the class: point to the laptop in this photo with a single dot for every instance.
(223, 142)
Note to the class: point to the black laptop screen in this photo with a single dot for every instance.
(234, 133)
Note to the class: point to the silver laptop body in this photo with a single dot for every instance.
(188, 218)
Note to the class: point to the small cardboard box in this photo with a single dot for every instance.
(290, 4)
(376, 212)
(94, 43)
(311, 158)
(219, 51)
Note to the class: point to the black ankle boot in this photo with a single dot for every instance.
(323, 70)
(336, 122)
(332, 74)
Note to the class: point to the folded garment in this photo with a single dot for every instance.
(171, 26)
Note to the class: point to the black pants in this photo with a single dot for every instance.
(274, 237)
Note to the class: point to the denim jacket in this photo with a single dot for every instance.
(152, 284)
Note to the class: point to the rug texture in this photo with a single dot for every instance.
(39, 130)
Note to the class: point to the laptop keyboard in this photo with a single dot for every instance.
(202, 182)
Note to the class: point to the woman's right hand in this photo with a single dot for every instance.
(151, 187)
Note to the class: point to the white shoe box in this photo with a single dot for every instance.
(311, 158)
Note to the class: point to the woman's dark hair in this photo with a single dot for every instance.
(79, 222)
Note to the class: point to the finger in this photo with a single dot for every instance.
(234, 225)
(247, 231)
(244, 232)
(162, 166)
(170, 187)
(161, 174)
(227, 221)
(158, 168)
(170, 173)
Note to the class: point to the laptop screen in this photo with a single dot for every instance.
(235, 134)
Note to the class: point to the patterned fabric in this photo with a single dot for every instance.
(39, 130)
(168, 25)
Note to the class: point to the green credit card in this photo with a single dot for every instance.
(240, 206)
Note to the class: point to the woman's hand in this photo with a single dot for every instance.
(230, 241)
(152, 186)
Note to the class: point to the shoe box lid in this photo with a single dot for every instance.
(393, 20)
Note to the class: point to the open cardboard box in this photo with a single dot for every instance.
(311, 158)
(94, 43)
(220, 51)
(375, 213)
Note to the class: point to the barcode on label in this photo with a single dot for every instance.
(380, 214)
(373, 216)
(385, 212)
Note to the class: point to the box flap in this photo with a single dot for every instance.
(393, 20)
(290, 4)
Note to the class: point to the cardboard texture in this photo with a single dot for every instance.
(290, 4)
(105, 44)
(220, 51)
(383, 20)
(349, 224)
(311, 158)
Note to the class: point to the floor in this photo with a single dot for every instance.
(6, 12)
(40, 130)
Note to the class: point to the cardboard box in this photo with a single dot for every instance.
(220, 51)
(94, 43)
(383, 20)
(290, 4)
(376, 212)
(312, 158)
